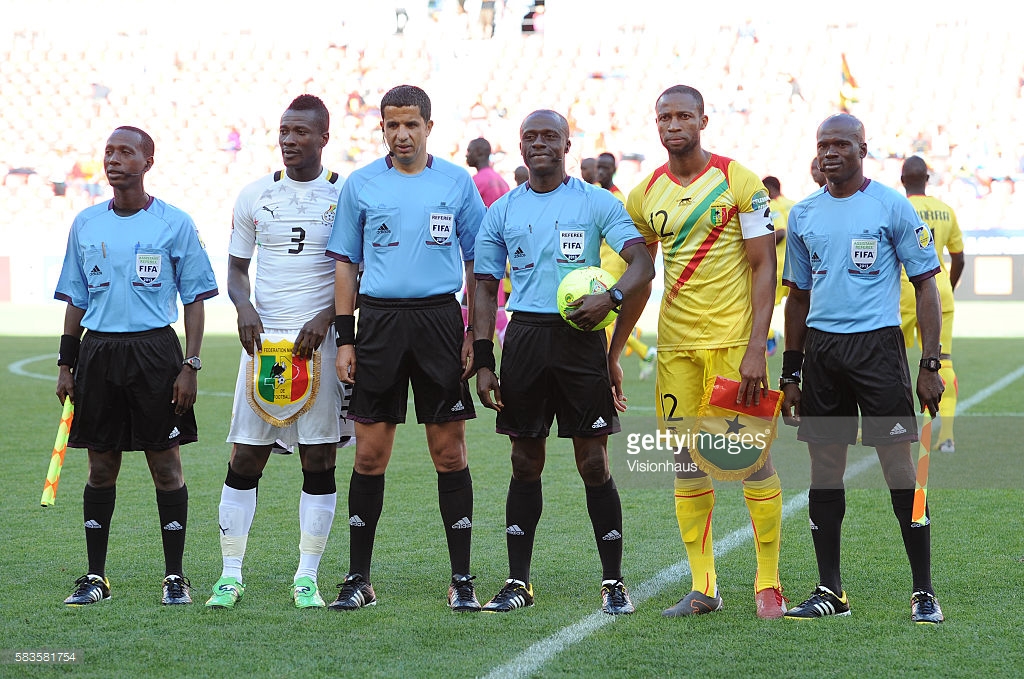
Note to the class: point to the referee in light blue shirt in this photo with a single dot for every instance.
(546, 228)
(410, 220)
(845, 246)
(127, 262)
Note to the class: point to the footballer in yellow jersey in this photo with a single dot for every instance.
(942, 221)
(710, 215)
(779, 206)
(701, 228)
(616, 266)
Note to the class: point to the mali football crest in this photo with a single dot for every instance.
(730, 441)
(282, 386)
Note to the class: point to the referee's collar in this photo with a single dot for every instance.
(862, 186)
(110, 204)
(565, 182)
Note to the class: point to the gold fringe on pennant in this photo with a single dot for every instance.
(713, 470)
(267, 417)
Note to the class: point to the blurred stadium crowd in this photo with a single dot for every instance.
(209, 82)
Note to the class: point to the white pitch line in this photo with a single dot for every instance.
(534, 657)
(996, 386)
(18, 368)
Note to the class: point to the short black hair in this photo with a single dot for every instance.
(310, 102)
(563, 124)
(406, 95)
(685, 89)
(148, 145)
(772, 184)
(483, 144)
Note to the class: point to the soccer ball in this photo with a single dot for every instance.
(589, 280)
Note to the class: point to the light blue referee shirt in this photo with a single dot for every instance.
(546, 235)
(411, 232)
(127, 272)
(848, 252)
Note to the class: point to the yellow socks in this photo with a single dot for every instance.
(695, 498)
(764, 502)
(947, 406)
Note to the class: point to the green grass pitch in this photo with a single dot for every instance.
(976, 497)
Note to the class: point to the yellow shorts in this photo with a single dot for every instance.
(682, 377)
(908, 313)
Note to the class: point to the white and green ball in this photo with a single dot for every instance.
(589, 280)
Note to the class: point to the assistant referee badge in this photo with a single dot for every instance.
(924, 236)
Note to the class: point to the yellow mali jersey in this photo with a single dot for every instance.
(701, 228)
(941, 219)
(780, 218)
(610, 260)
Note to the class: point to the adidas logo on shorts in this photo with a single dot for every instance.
(354, 520)
(515, 530)
(174, 432)
(598, 423)
(897, 430)
(462, 523)
(458, 407)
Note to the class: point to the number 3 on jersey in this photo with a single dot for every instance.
(298, 239)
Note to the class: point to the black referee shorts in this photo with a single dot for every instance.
(846, 372)
(124, 382)
(549, 368)
(410, 340)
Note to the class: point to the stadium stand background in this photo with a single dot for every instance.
(945, 83)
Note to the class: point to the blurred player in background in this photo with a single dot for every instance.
(488, 182)
(491, 187)
(779, 206)
(941, 219)
(588, 170)
(816, 174)
(616, 266)
(521, 175)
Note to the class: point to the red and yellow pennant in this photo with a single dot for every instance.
(730, 441)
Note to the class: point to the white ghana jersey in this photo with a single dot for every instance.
(290, 222)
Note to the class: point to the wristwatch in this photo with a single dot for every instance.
(193, 362)
(931, 363)
(616, 296)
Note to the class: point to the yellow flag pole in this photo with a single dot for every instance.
(60, 446)
(917, 516)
